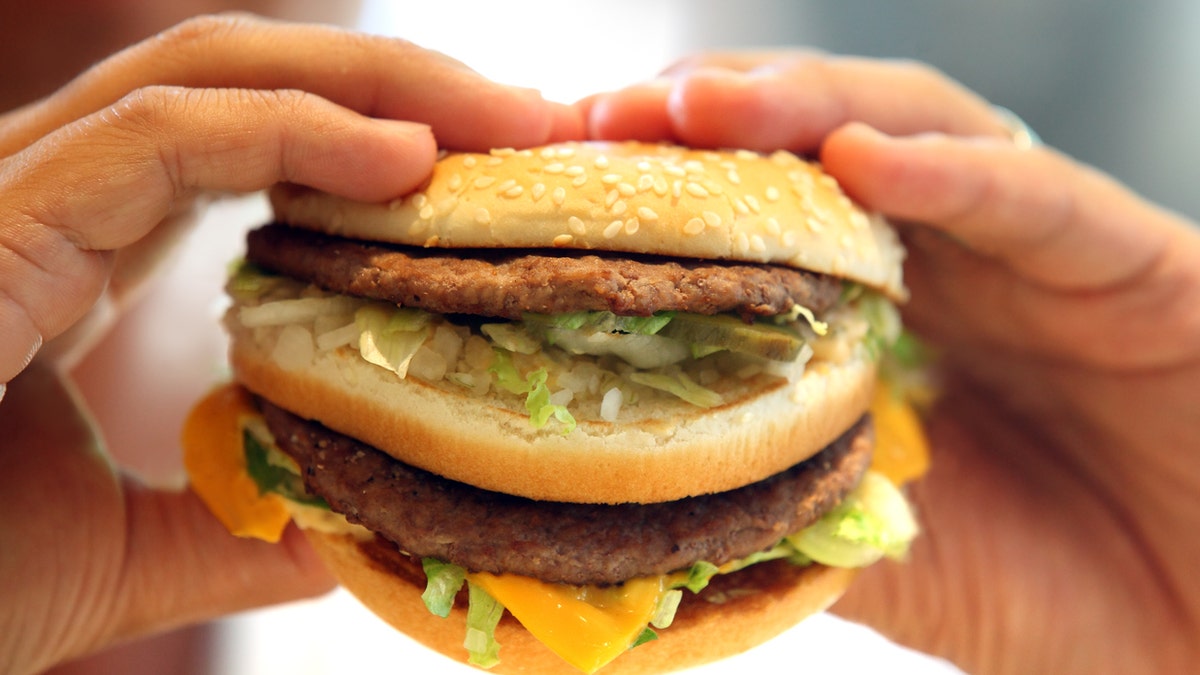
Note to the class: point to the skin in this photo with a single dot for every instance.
(93, 181)
(1061, 511)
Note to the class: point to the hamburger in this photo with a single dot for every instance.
(581, 406)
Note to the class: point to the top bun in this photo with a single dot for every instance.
(627, 197)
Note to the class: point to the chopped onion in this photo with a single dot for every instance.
(610, 406)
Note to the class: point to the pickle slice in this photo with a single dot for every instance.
(725, 331)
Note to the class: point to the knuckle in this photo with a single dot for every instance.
(200, 31)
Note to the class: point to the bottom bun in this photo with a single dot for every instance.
(735, 613)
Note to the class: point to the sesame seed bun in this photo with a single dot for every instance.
(735, 613)
(627, 197)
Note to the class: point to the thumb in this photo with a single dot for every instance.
(89, 557)
(183, 566)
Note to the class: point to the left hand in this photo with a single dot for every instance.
(90, 180)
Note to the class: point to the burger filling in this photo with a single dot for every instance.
(561, 341)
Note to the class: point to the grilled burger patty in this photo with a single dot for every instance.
(426, 515)
(508, 283)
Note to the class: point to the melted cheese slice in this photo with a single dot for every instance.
(586, 625)
(215, 461)
(901, 448)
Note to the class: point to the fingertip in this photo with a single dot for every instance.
(635, 113)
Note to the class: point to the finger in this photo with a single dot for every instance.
(1027, 252)
(637, 113)
(1050, 220)
(793, 101)
(107, 180)
(376, 76)
(92, 558)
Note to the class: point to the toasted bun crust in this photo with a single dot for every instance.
(761, 430)
(629, 197)
(702, 631)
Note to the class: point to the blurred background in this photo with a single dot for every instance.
(1111, 83)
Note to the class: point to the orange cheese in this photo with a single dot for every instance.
(216, 465)
(901, 448)
(588, 626)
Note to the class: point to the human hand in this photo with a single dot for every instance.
(1060, 510)
(87, 179)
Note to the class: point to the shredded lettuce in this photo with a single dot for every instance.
(274, 472)
(390, 336)
(679, 384)
(443, 581)
(533, 385)
(512, 337)
(873, 521)
(483, 614)
(602, 322)
(537, 402)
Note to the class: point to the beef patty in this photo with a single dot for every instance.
(506, 283)
(426, 515)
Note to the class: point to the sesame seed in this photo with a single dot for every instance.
(419, 200)
(575, 224)
(548, 153)
(514, 192)
(643, 166)
(757, 244)
(693, 226)
(789, 238)
(734, 177)
(742, 242)
(483, 216)
(395, 204)
(675, 170)
(645, 182)
(647, 213)
(632, 225)
(503, 152)
(626, 190)
(426, 212)
(619, 207)
(505, 185)
(696, 190)
(563, 240)
(611, 198)
(559, 195)
(677, 189)
(693, 166)
(455, 182)
(469, 161)
(432, 241)
(772, 193)
(537, 191)
(578, 181)
(555, 168)
(753, 202)
(813, 224)
(610, 178)
(483, 182)
(566, 153)
(773, 226)
(613, 229)
(574, 170)
(601, 162)
(711, 219)
(739, 205)
(660, 186)
(495, 161)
